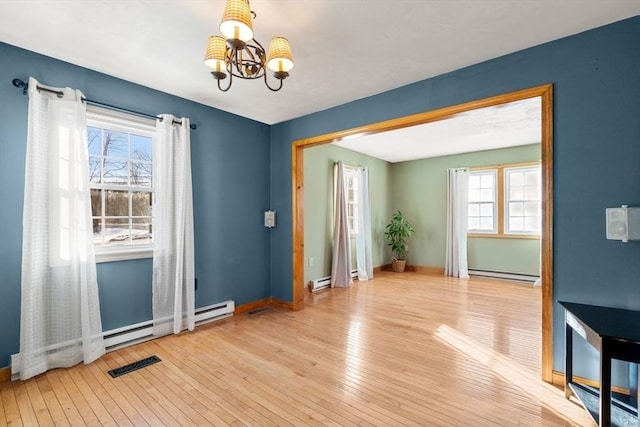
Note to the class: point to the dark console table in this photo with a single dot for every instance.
(615, 333)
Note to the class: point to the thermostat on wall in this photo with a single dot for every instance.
(270, 219)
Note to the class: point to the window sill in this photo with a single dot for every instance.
(503, 236)
(123, 254)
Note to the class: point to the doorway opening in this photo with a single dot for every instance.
(545, 92)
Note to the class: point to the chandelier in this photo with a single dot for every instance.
(238, 54)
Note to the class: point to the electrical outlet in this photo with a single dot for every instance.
(310, 262)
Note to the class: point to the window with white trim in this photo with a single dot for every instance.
(121, 182)
(523, 200)
(351, 188)
(482, 216)
(506, 201)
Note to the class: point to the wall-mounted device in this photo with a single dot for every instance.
(623, 223)
(270, 219)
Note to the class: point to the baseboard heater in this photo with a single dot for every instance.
(518, 277)
(139, 332)
(325, 282)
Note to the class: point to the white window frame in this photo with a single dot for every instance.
(129, 123)
(351, 189)
(494, 229)
(508, 200)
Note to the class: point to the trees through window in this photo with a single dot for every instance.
(121, 179)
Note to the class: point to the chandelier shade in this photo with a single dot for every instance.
(237, 23)
(237, 54)
(280, 56)
(215, 55)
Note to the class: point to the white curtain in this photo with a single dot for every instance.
(364, 260)
(173, 259)
(341, 262)
(60, 322)
(457, 223)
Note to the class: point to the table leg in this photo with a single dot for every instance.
(568, 358)
(605, 385)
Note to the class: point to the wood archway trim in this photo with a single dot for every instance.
(545, 92)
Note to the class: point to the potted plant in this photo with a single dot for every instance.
(398, 232)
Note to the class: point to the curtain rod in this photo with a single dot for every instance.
(20, 84)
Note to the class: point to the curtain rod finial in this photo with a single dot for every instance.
(20, 83)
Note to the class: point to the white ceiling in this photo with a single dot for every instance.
(343, 49)
(507, 125)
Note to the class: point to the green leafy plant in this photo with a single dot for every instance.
(398, 232)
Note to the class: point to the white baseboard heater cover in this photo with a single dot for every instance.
(139, 332)
(527, 278)
(143, 331)
(325, 282)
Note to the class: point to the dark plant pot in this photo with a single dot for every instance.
(398, 265)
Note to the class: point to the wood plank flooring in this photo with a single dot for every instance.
(405, 349)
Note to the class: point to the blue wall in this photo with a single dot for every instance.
(230, 167)
(596, 78)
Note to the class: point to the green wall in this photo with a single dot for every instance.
(419, 191)
(318, 205)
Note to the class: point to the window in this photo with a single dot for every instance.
(522, 200)
(482, 202)
(121, 183)
(505, 201)
(351, 187)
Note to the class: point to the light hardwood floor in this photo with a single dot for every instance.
(401, 350)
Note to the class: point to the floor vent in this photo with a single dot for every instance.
(115, 373)
(258, 311)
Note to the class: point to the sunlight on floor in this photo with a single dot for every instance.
(515, 374)
(354, 350)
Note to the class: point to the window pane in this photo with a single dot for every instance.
(115, 172)
(141, 148)
(116, 203)
(141, 231)
(474, 181)
(486, 181)
(474, 195)
(532, 224)
(94, 169)
(115, 144)
(516, 208)
(532, 177)
(96, 202)
(116, 231)
(532, 193)
(486, 223)
(474, 223)
(94, 141)
(516, 224)
(516, 178)
(141, 174)
(97, 231)
(516, 193)
(486, 195)
(474, 209)
(531, 209)
(486, 209)
(140, 204)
